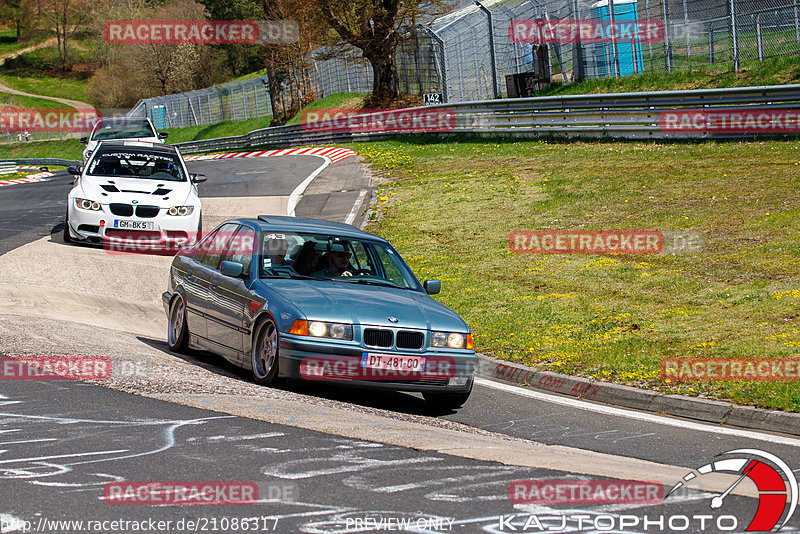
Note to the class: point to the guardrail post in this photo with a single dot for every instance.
(491, 47)
(734, 36)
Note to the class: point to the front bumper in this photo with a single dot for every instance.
(98, 226)
(334, 363)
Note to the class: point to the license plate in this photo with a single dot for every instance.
(393, 362)
(133, 225)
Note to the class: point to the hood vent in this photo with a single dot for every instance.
(110, 188)
(161, 192)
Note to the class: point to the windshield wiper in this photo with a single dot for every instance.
(382, 283)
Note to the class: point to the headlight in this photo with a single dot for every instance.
(333, 330)
(84, 204)
(180, 211)
(451, 340)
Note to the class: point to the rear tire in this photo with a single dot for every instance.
(444, 400)
(177, 331)
(66, 236)
(264, 353)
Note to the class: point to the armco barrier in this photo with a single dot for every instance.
(619, 115)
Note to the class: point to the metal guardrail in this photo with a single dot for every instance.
(618, 115)
(44, 162)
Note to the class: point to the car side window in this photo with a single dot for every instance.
(211, 248)
(240, 248)
(361, 258)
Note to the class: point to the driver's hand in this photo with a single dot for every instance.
(347, 273)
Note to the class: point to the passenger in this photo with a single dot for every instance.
(307, 259)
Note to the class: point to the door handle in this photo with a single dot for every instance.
(215, 284)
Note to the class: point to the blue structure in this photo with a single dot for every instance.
(624, 10)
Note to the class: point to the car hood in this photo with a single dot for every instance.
(149, 192)
(348, 302)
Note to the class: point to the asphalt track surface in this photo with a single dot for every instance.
(55, 436)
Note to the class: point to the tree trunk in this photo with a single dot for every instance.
(384, 77)
(274, 87)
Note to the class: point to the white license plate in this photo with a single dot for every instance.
(133, 225)
(392, 362)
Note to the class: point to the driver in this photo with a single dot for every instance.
(336, 262)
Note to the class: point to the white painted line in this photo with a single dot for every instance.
(40, 458)
(27, 441)
(353, 212)
(294, 198)
(639, 416)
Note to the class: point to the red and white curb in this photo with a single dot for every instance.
(333, 153)
(31, 178)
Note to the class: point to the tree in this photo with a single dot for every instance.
(65, 16)
(376, 28)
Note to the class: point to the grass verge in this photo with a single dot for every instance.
(773, 71)
(48, 86)
(451, 206)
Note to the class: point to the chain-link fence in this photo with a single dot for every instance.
(470, 53)
(233, 101)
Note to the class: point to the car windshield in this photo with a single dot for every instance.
(137, 164)
(332, 257)
(123, 130)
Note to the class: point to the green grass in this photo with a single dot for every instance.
(9, 43)
(451, 206)
(334, 101)
(773, 71)
(67, 149)
(48, 86)
(221, 129)
(19, 101)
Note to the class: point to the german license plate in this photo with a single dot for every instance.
(133, 225)
(392, 362)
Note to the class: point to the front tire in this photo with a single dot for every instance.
(66, 236)
(264, 353)
(444, 400)
(177, 331)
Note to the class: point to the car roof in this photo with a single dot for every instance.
(112, 120)
(307, 225)
(122, 144)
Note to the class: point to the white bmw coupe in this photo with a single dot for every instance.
(134, 191)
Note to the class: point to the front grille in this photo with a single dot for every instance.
(410, 340)
(146, 212)
(378, 338)
(122, 210)
(133, 235)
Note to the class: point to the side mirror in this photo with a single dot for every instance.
(163, 135)
(75, 171)
(44, 169)
(198, 178)
(231, 268)
(432, 287)
(84, 140)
